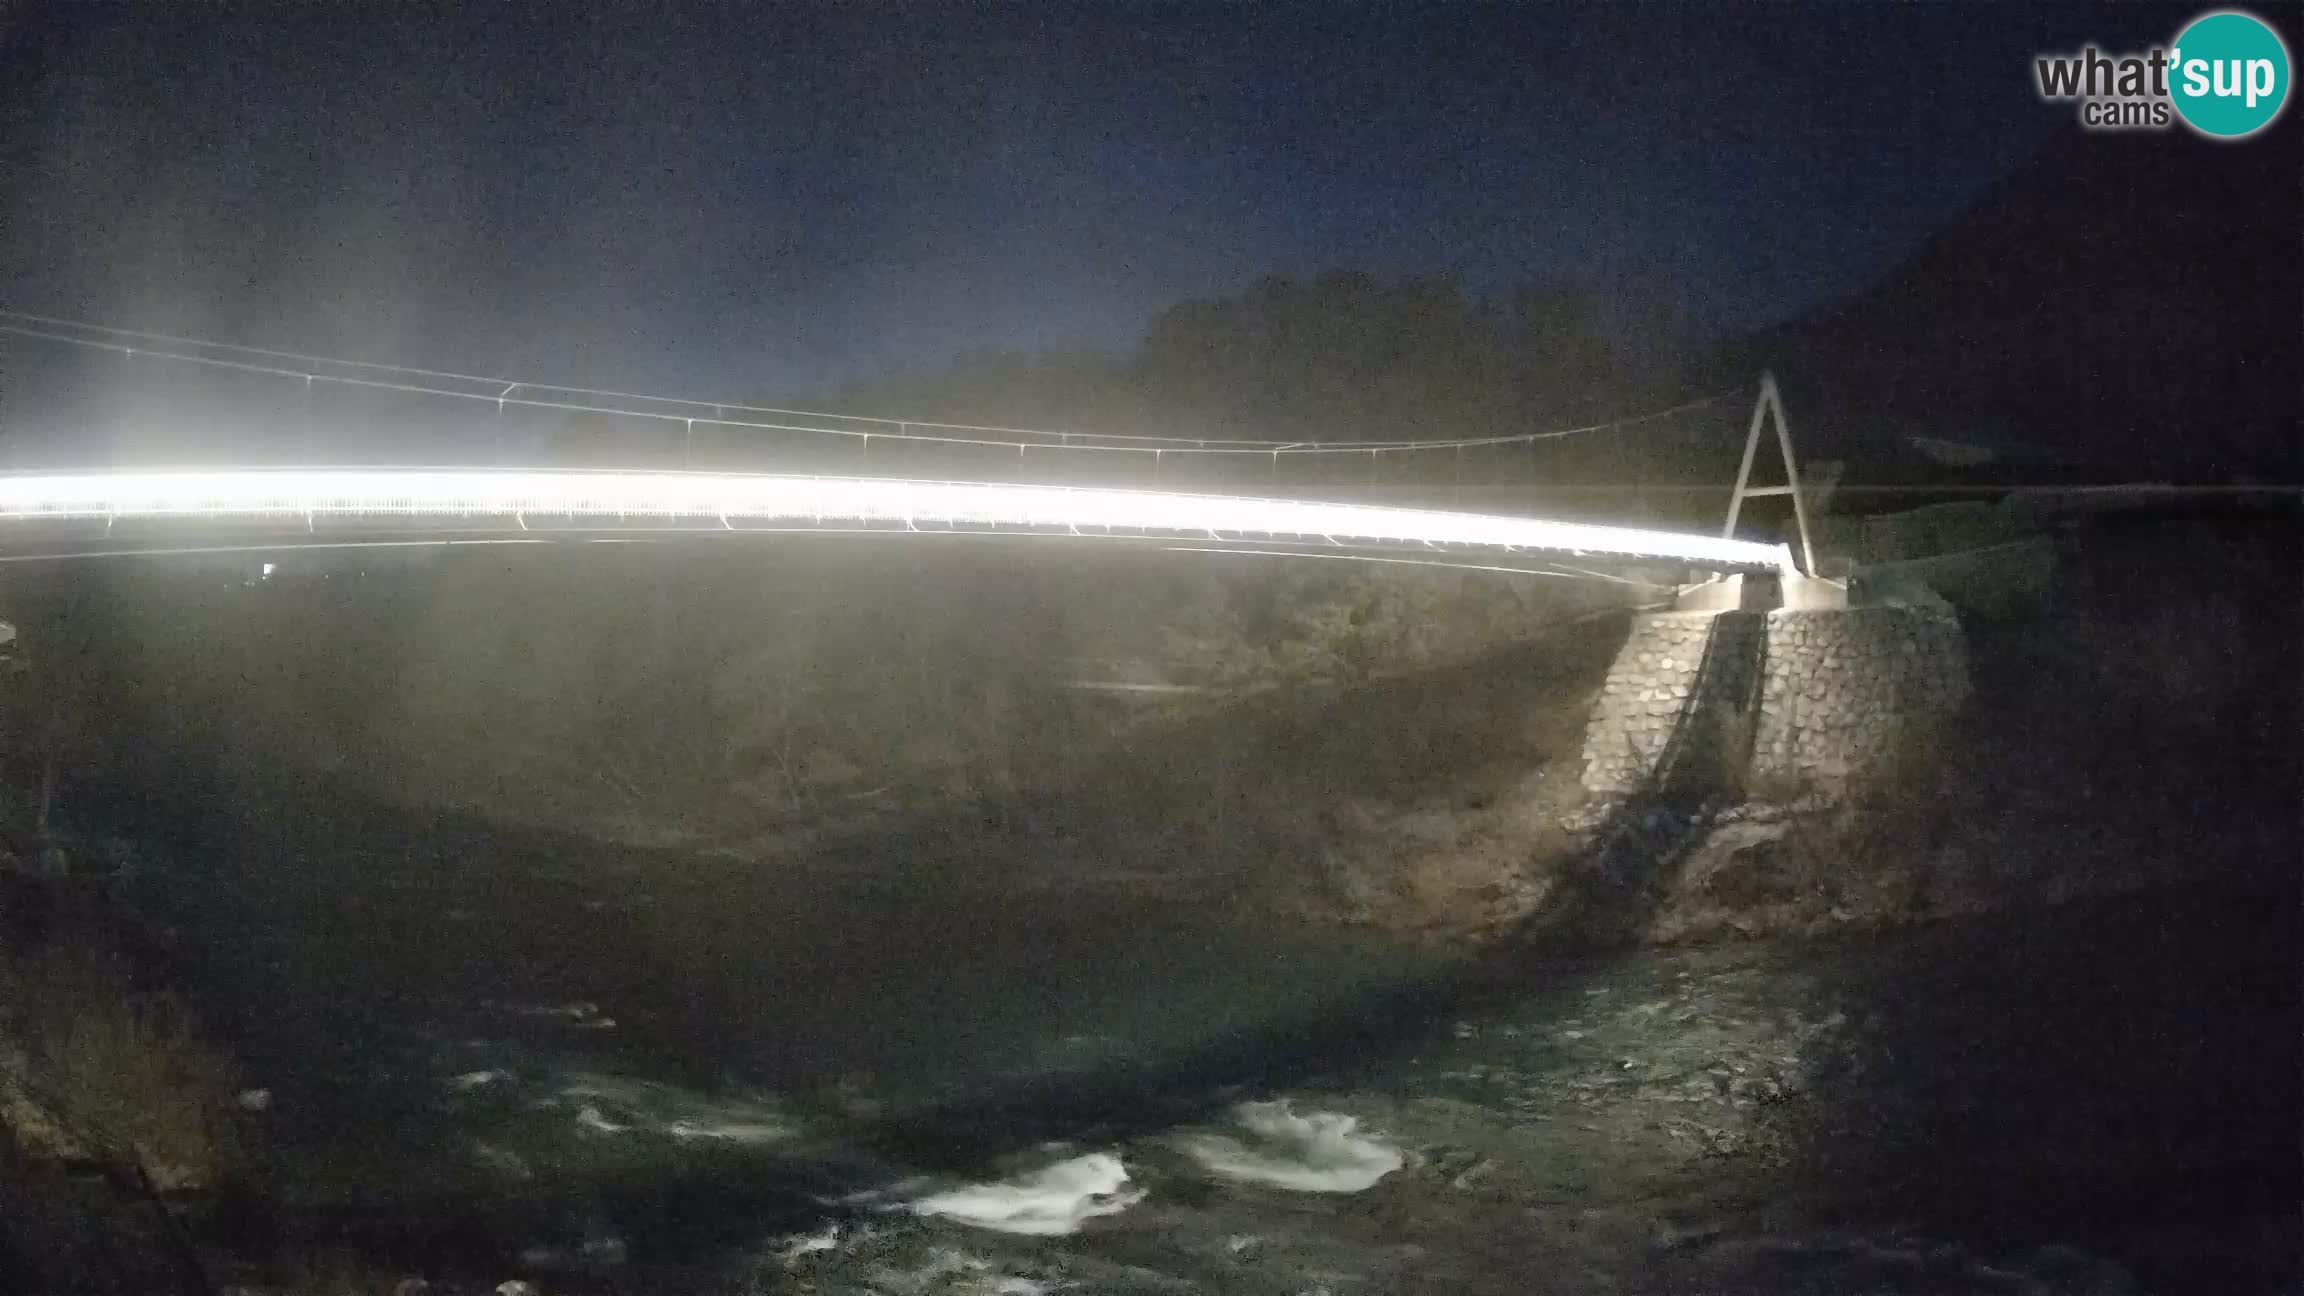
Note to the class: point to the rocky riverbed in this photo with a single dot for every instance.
(490, 1057)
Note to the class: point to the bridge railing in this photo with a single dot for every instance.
(77, 396)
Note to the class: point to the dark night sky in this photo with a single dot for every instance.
(773, 200)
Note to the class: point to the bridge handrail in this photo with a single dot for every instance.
(503, 397)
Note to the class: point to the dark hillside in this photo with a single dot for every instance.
(2121, 307)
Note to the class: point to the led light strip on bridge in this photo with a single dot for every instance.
(741, 501)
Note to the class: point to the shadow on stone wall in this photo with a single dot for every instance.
(1687, 766)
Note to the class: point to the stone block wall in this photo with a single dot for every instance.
(1677, 698)
(1718, 701)
(1844, 691)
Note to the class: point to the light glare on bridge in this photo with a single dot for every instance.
(443, 498)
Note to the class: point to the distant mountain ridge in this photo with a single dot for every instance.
(2120, 307)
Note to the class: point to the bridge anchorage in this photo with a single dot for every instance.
(1773, 679)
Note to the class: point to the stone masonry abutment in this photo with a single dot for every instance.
(1798, 697)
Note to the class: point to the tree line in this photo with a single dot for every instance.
(1341, 356)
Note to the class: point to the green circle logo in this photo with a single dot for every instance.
(2228, 74)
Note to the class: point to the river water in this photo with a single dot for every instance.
(490, 1055)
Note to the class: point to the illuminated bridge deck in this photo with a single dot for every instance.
(144, 511)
